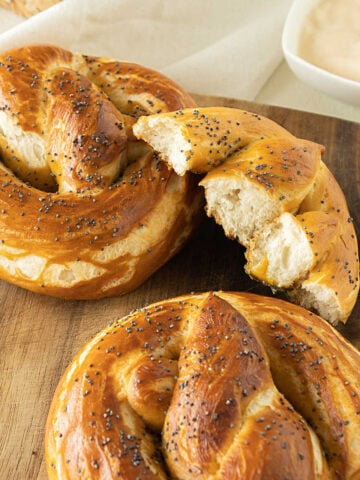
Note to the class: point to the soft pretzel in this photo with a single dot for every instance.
(273, 193)
(86, 210)
(27, 8)
(209, 386)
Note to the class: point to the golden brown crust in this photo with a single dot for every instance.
(207, 371)
(339, 268)
(284, 167)
(28, 8)
(95, 212)
(255, 171)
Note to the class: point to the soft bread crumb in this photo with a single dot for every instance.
(31, 265)
(240, 207)
(29, 146)
(71, 273)
(164, 135)
(317, 298)
(280, 253)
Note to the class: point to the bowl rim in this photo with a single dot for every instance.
(290, 34)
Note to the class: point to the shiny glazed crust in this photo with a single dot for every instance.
(272, 192)
(210, 386)
(86, 210)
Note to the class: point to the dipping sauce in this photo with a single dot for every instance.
(330, 37)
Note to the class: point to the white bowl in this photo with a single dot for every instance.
(339, 87)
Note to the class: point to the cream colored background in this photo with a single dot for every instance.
(218, 47)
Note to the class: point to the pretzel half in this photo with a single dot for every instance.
(273, 193)
(209, 386)
(86, 210)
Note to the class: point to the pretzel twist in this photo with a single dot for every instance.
(273, 193)
(86, 210)
(209, 386)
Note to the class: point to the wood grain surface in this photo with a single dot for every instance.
(39, 335)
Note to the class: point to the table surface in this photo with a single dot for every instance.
(39, 335)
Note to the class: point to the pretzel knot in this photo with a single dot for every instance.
(209, 386)
(86, 210)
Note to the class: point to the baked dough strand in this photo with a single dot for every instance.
(274, 194)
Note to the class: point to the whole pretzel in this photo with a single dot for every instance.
(273, 193)
(86, 210)
(209, 386)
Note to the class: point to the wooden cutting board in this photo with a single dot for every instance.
(39, 335)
